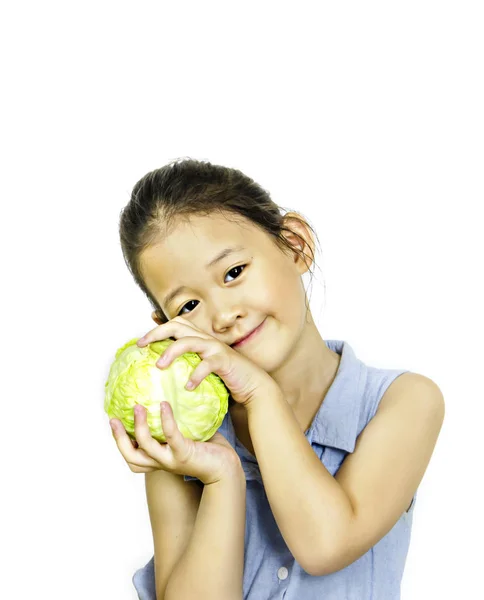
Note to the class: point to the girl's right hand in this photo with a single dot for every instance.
(208, 461)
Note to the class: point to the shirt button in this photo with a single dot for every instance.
(282, 573)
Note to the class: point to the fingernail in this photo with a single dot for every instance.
(112, 425)
(190, 385)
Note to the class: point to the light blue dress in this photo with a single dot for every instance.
(270, 570)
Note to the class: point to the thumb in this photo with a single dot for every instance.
(218, 438)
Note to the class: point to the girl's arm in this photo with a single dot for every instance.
(212, 565)
(329, 522)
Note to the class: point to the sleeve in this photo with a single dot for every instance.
(144, 581)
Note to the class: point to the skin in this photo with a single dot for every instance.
(229, 304)
(327, 522)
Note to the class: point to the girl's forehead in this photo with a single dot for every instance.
(217, 220)
(196, 247)
(210, 232)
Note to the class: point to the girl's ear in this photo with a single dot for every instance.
(301, 239)
(155, 318)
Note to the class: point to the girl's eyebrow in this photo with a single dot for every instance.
(223, 254)
(171, 295)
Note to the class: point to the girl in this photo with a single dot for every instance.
(307, 490)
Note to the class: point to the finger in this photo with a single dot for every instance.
(153, 448)
(174, 438)
(220, 439)
(177, 327)
(134, 443)
(204, 369)
(133, 456)
(136, 469)
(203, 346)
(160, 332)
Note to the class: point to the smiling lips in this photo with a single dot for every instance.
(249, 337)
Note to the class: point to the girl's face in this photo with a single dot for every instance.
(230, 278)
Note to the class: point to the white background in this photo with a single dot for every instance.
(366, 117)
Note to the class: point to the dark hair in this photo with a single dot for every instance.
(186, 187)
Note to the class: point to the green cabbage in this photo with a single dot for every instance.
(134, 379)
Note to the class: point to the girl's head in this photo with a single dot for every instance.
(181, 217)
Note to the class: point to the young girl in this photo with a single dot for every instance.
(308, 488)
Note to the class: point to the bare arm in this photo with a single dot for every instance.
(329, 522)
(212, 564)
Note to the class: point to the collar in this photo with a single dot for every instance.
(336, 422)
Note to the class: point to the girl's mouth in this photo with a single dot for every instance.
(250, 337)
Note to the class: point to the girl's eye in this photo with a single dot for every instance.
(181, 309)
(234, 269)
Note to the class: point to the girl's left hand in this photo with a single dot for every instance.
(244, 379)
